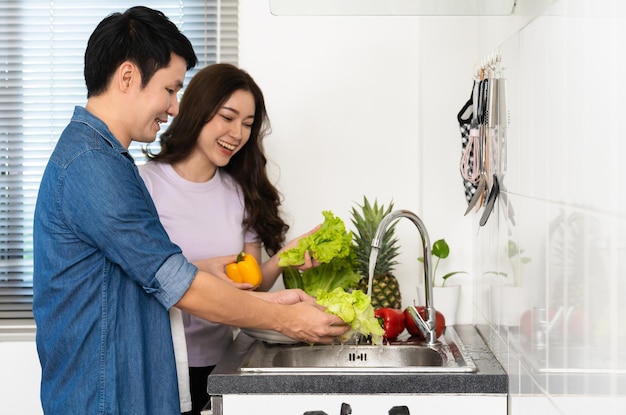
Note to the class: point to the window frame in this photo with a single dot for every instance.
(37, 104)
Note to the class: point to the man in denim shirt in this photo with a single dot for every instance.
(106, 273)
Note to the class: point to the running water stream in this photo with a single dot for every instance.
(372, 267)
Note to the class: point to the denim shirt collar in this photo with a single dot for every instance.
(81, 115)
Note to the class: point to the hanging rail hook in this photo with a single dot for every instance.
(488, 62)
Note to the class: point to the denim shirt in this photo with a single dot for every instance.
(105, 276)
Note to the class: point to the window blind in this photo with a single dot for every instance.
(42, 45)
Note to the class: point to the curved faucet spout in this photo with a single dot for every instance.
(427, 325)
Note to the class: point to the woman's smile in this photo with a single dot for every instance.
(226, 145)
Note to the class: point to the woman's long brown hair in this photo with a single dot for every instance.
(207, 91)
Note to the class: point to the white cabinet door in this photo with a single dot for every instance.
(364, 404)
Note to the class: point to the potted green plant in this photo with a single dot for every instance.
(441, 250)
(445, 296)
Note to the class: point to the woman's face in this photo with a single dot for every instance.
(229, 130)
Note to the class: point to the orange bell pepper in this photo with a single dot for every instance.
(245, 270)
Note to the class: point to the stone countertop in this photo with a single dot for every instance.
(490, 378)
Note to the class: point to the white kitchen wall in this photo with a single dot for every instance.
(348, 103)
(565, 183)
(564, 180)
(20, 375)
(367, 106)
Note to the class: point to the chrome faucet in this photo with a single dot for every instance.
(427, 326)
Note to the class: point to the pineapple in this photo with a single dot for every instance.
(385, 287)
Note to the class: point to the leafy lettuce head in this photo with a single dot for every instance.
(355, 308)
(331, 240)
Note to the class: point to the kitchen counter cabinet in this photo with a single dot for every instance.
(367, 393)
(363, 404)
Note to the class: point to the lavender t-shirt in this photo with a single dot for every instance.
(205, 220)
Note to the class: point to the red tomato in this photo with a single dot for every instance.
(392, 321)
(412, 328)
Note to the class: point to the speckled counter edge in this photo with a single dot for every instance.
(490, 378)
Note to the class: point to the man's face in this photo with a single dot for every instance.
(157, 101)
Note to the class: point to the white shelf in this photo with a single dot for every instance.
(392, 7)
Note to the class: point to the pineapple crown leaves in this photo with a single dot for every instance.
(441, 250)
(366, 220)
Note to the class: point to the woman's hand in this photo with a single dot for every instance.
(309, 261)
(216, 266)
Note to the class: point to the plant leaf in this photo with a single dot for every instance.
(441, 249)
(449, 274)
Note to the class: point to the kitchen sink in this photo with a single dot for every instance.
(401, 356)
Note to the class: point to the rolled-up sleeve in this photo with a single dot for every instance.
(172, 280)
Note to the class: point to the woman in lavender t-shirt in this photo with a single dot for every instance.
(210, 186)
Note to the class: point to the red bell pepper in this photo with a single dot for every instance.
(392, 321)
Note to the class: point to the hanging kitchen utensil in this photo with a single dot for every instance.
(482, 181)
(492, 147)
(503, 125)
(493, 195)
(468, 125)
(491, 127)
(480, 190)
(502, 121)
(470, 131)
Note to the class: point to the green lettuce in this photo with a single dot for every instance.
(355, 308)
(337, 273)
(331, 240)
(332, 246)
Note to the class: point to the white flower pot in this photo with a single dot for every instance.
(446, 301)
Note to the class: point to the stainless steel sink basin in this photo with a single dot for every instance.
(449, 356)
(357, 356)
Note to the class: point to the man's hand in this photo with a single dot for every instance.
(305, 320)
(309, 323)
(287, 297)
